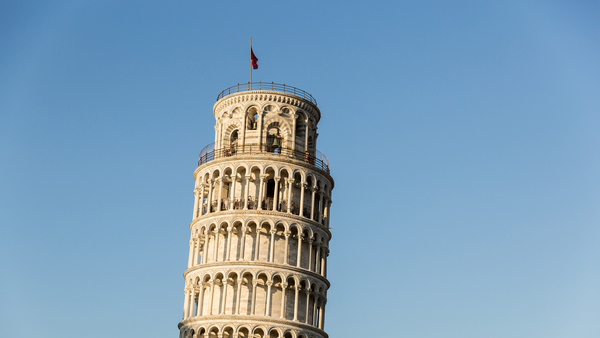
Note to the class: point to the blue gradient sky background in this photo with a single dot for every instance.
(463, 137)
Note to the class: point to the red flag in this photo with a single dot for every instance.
(253, 59)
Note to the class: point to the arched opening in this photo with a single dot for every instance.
(214, 333)
(233, 142)
(300, 128)
(246, 294)
(259, 333)
(271, 188)
(290, 294)
(228, 332)
(274, 138)
(243, 333)
(252, 119)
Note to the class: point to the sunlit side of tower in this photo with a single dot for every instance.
(260, 234)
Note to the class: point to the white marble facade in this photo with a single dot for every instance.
(257, 264)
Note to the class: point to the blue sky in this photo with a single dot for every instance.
(463, 137)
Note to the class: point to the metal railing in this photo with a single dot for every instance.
(315, 158)
(248, 86)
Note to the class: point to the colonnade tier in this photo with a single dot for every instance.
(259, 239)
(286, 188)
(255, 293)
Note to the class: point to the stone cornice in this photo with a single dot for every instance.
(248, 319)
(254, 265)
(276, 214)
(264, 96)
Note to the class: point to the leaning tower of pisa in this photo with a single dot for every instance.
(257, 263)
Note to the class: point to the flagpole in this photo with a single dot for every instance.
(250, 65)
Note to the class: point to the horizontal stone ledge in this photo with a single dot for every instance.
(250, 320)
(253, 265)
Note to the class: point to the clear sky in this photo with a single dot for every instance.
(463, 137)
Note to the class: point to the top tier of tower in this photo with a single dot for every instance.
(268, 117)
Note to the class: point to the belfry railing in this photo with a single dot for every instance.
(315, 157)
(276, 87)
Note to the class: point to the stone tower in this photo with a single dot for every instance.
(260, 234)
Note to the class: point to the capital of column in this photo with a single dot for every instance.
(273, 231)
(269, 283)
(291, 180)
(263, 177)
(254, 283)
(248, 178)
(307, 290)
(284, 286)
(287, 234)
(297, 287)
(277, 178)
(230, 228)
(196, 191)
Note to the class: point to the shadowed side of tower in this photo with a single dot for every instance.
(257, 264)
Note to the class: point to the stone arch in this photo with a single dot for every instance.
(244, 331)
(248, 244)
(288, 170)
(284, 126)
(231, 137)
(231, 291)
(252, 116)
(260, 299)
(293, 243)
(237, 234)
(279, 243)
(201, 330)
(246, 292)
(274, 332)
(213, 331)
(259, 331)
(301, 172)
(264, 239)
(216, 173)
(228, 331)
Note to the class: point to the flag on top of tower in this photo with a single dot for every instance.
(253, 59)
